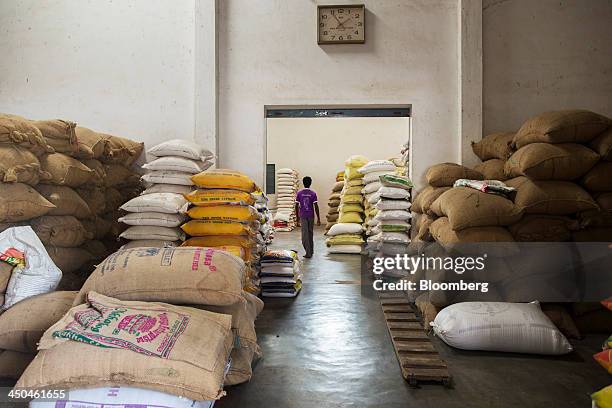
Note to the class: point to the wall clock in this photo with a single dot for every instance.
(341, 24)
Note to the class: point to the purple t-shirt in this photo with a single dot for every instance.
(306, 198)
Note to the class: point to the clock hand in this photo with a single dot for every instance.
(339, 23)
(344, 22)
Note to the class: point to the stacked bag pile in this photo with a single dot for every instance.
(285, 218)
(66, 182)
(135, 320)
(333, 203)
(154, 218)
(280, 274)
(348, 239)
(223, 216)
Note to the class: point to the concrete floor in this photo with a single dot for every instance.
(329, 347)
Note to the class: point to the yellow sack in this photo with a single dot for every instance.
(371, 212)
(356, 161)
(353, 217)
(352, 190)
(603, 397)
(200, 228)
(351, 199)
(356, 183)
(237, 213)
(340, 176)
(204, 198)
(345, 239)
(351, 174)
(220, 240)
(224, 178)
(351, 208)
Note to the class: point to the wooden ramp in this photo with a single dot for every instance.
(417, 357)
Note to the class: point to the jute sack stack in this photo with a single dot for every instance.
(17, 131)
(14, 363)
(445, 174)
(492, 169)
(20, 202)
(59, 134)
(108, 342)
(493, 150)
(20, 165)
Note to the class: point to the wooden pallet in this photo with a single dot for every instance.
(417, 357)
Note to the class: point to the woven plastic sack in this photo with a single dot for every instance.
(345, 228)
(181, 164)
(224, 178)
(139, 232)
(377, 165)
(168, 177)
(181, 148)
(168, 203)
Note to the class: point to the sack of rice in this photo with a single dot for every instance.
(20, 202)
(224, 179)
(545, 161)
(350, 217)
(602, 144)
(214, 241)
(66, 201)
(338, 186)
(543, 228)
(118, 175)
(119, 150)
(17, 131)
(396, 181)
(94, 197)
(599, 178)
(423, 234)
(550, 197)
(494, 146)
(500, 326)
(91, 145)
(96, 248)
(14, 363)
(345, 228)
(445, 174)
(344, 249)
(241, 370)
(138, 232)
(181, 148)
(154, 219)
(466, 207)
(22, 326)
(377, 165)
(236, 213)
(65, 170)
(167, 188)
(198, 228)
(168, 177)
(442, 232)
(177, 163)
(60, 230)
(207, 277)
(168, 203)
(492, 169)
(138, 342)
(426, 197)
(69, 260)
(59, 134)
(345, 239)
(20, 165)
(564, 126)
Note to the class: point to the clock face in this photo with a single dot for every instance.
(341, 24)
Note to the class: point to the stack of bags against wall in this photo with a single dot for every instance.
(280, 274)
(387, 204)
(154, 218)
(223, 216)
(285, 218)
(333, 204)
(350, 211)
(66, 182)
(203, 314)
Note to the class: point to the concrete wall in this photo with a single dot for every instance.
(123, 67)
(545, 55)
(268, 55)
(318, 147)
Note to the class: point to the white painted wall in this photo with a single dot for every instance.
(318, 147)
(123, 67)
(268, 55)
(545, 55)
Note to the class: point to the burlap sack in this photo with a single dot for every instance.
(545, 161)
(172, 349)
(602, 144)
(466, 207)
(494, 146)
(96, 248)
(69, 260)
(22, 325)
(564, 126)
(91, 145)
(561, 318)
(428, 310)
(595, 218)
(427, 197)
(604, 200)
(17, 131)
(543, 228)
(73, 281)
(60, 230)
(332, 217)
(595, 234)
(65, 170)
(14, 363)
(443, 233)
(20, 202)
(241, 369)
(206, 276)
(59, 134)
(98, 227)
(19, 165)
(550, 197)
(492, 169)
(94, 197)
(599, 178)
(114, 199)
(119, 150)
(338, 186)
(445, 174)
(66, 201)
(118, 175)
(99, 174)
(422, 228)
(6, 270)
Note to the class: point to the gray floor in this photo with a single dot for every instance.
(329, 347)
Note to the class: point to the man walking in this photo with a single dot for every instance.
(306, 206)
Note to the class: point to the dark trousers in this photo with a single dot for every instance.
(307, 235)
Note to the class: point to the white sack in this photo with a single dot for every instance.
(154, 219)
(182, 148)
(176, 163)
(139, 232)
(168, 203)
(168, 177)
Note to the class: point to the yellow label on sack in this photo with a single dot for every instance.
(219, 197)
(224, 178)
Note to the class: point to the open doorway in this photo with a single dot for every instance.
(316, 142)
